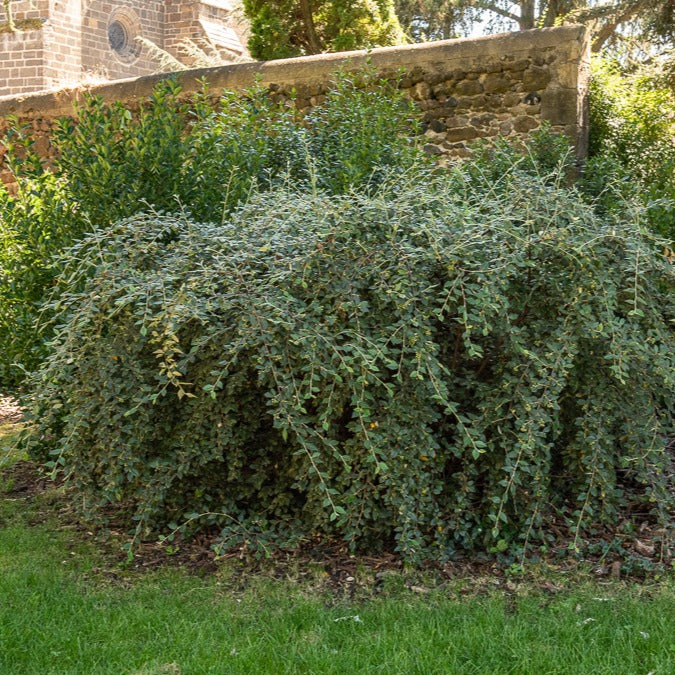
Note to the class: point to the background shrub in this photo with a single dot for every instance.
(447, 366)
(356, 135)
(632, 145)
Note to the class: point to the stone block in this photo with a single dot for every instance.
(436, 78)
(461, 134)
(511, 99)
(428, 104)
(524, 124)
(437, 126)
(431, 149)
(444, 88)
(469, 87)
(559, 106)
(516, 66)
(494, 101)
(483, 120)
(421, 92)
(536, 78)
(433, 136)
(496, 85)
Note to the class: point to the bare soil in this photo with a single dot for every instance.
(10, 410)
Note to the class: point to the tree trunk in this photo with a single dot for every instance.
(526, 20)
(554, 9)
(312, 38)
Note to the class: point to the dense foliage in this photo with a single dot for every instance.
(632, 145)
(286, 28)
(445, 367)
(198, 157)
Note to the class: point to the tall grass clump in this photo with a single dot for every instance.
(199, 156)
(442, 366)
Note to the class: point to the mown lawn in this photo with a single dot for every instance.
(66, 609)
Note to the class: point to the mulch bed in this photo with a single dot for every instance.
(26, 480)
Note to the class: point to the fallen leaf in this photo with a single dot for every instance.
(616, 570)
(549, 587)
(419, 589)
(643, 548)
(585, 621)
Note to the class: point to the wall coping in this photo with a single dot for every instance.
(305, 68)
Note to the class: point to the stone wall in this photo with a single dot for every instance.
(466, 89)
(181, 20)
(21, 58)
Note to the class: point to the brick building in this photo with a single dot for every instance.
(62, 42)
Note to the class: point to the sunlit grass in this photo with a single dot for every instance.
(54, 621)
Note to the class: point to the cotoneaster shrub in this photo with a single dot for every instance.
(198, 157)
(443, 368)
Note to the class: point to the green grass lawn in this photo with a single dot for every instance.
(66, 609)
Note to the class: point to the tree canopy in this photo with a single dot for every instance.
(608, 19)
(285, 28)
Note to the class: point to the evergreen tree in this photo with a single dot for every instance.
(285, 28)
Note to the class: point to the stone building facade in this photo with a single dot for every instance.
(63, 42)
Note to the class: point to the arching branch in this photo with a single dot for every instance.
(493, 7)
(629, 11)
